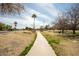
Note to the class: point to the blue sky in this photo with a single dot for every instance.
(46, 14)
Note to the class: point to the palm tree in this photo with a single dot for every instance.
(15, 24)
(34, 16)
(11, 8)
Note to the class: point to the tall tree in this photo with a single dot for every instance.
(34, 16)
(74, 17)
(61, 23)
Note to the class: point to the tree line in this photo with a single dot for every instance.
(5, 27)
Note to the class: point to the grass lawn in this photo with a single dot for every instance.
(14, 43)
(63, 45)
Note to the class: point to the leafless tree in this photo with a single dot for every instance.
(11, 8)
(74, 17)
(61, 23)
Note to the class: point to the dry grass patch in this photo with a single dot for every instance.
(13, 43)
(63, 46)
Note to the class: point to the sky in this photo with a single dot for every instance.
(46, 14)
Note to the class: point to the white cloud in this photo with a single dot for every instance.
(49, 8)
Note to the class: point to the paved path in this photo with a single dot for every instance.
(41, 47)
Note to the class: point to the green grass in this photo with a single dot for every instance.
(52, 40)
(26, 50)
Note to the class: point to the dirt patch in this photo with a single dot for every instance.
(13, 43)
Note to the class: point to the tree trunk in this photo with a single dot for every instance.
(74, 28)
(74, 31)
(34, 25)
(62, 31)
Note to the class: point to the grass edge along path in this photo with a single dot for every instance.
(51, 43)
(27, 49)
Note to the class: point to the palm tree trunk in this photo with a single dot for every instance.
(34, 25)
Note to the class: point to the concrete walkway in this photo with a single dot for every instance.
(41, 47)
